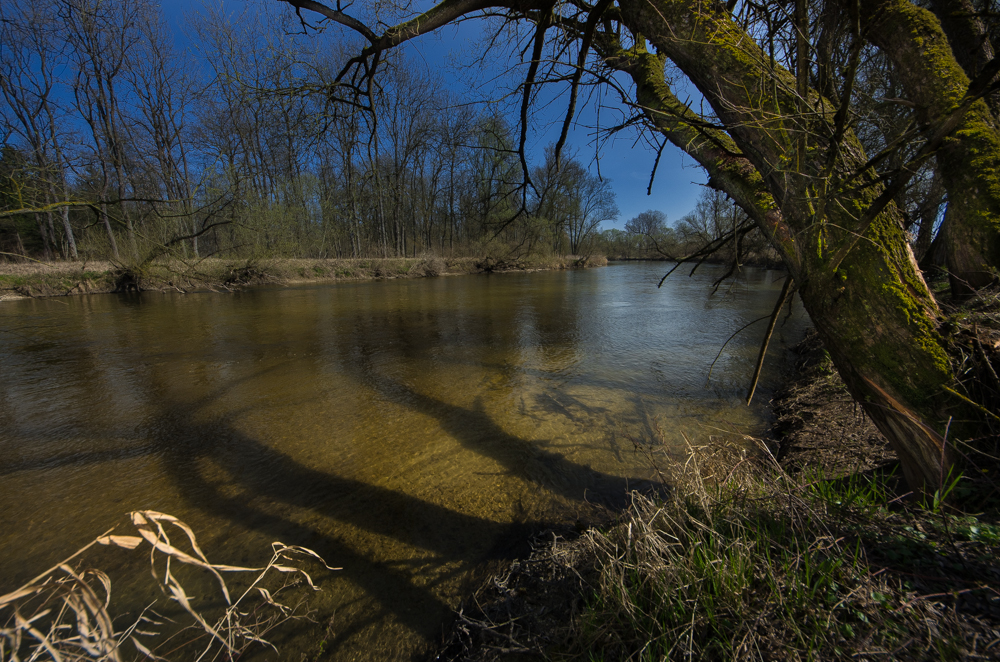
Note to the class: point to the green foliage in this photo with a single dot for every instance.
(864, 492)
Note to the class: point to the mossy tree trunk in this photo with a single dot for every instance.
(968, 37)
(969, 159)
(867, 298)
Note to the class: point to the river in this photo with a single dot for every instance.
(406, 430)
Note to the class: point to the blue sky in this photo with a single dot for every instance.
(626, 161)
(623, 159)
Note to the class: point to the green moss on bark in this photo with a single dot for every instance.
(969, 160)
(873, 309)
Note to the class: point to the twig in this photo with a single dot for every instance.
(767, 336)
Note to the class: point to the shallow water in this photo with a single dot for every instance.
(406, 430)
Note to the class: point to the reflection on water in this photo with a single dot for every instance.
(405, 430)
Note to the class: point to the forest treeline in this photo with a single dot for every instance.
(119, 144)
(716, 229)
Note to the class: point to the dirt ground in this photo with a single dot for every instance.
(819, 425)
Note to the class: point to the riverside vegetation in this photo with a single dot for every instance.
(32, 279)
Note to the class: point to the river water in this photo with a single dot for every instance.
(406, 430)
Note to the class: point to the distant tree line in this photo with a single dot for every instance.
(716, 229)
(118, 144)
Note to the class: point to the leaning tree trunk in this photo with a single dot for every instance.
(969, 39)
(867, 298)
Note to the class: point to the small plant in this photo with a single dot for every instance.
(942, 495)
(860, 491)
(63, 614)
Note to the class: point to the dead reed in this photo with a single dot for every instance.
(763, 565)
(63, 614)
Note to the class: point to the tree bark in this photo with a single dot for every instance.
(927, 216)
(968, 37)
(969, 159)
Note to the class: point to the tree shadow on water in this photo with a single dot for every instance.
(229, 475)
(269, 476)
(266, 482)
(476, 431)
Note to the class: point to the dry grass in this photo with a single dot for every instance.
(743, 561)
(32, 267)
(63, 614)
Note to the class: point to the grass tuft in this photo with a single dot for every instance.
(773, 566)
(740, 560)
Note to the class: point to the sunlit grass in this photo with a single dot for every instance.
(771, 566)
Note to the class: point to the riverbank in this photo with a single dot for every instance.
(800, 546)
(47, 279)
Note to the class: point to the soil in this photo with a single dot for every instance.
(819, 427)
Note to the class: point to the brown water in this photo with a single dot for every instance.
(406, 430)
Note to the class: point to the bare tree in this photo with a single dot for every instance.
(102, 35)
(157, 128)
(573, 201)
(30, 53)
(651, 227)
